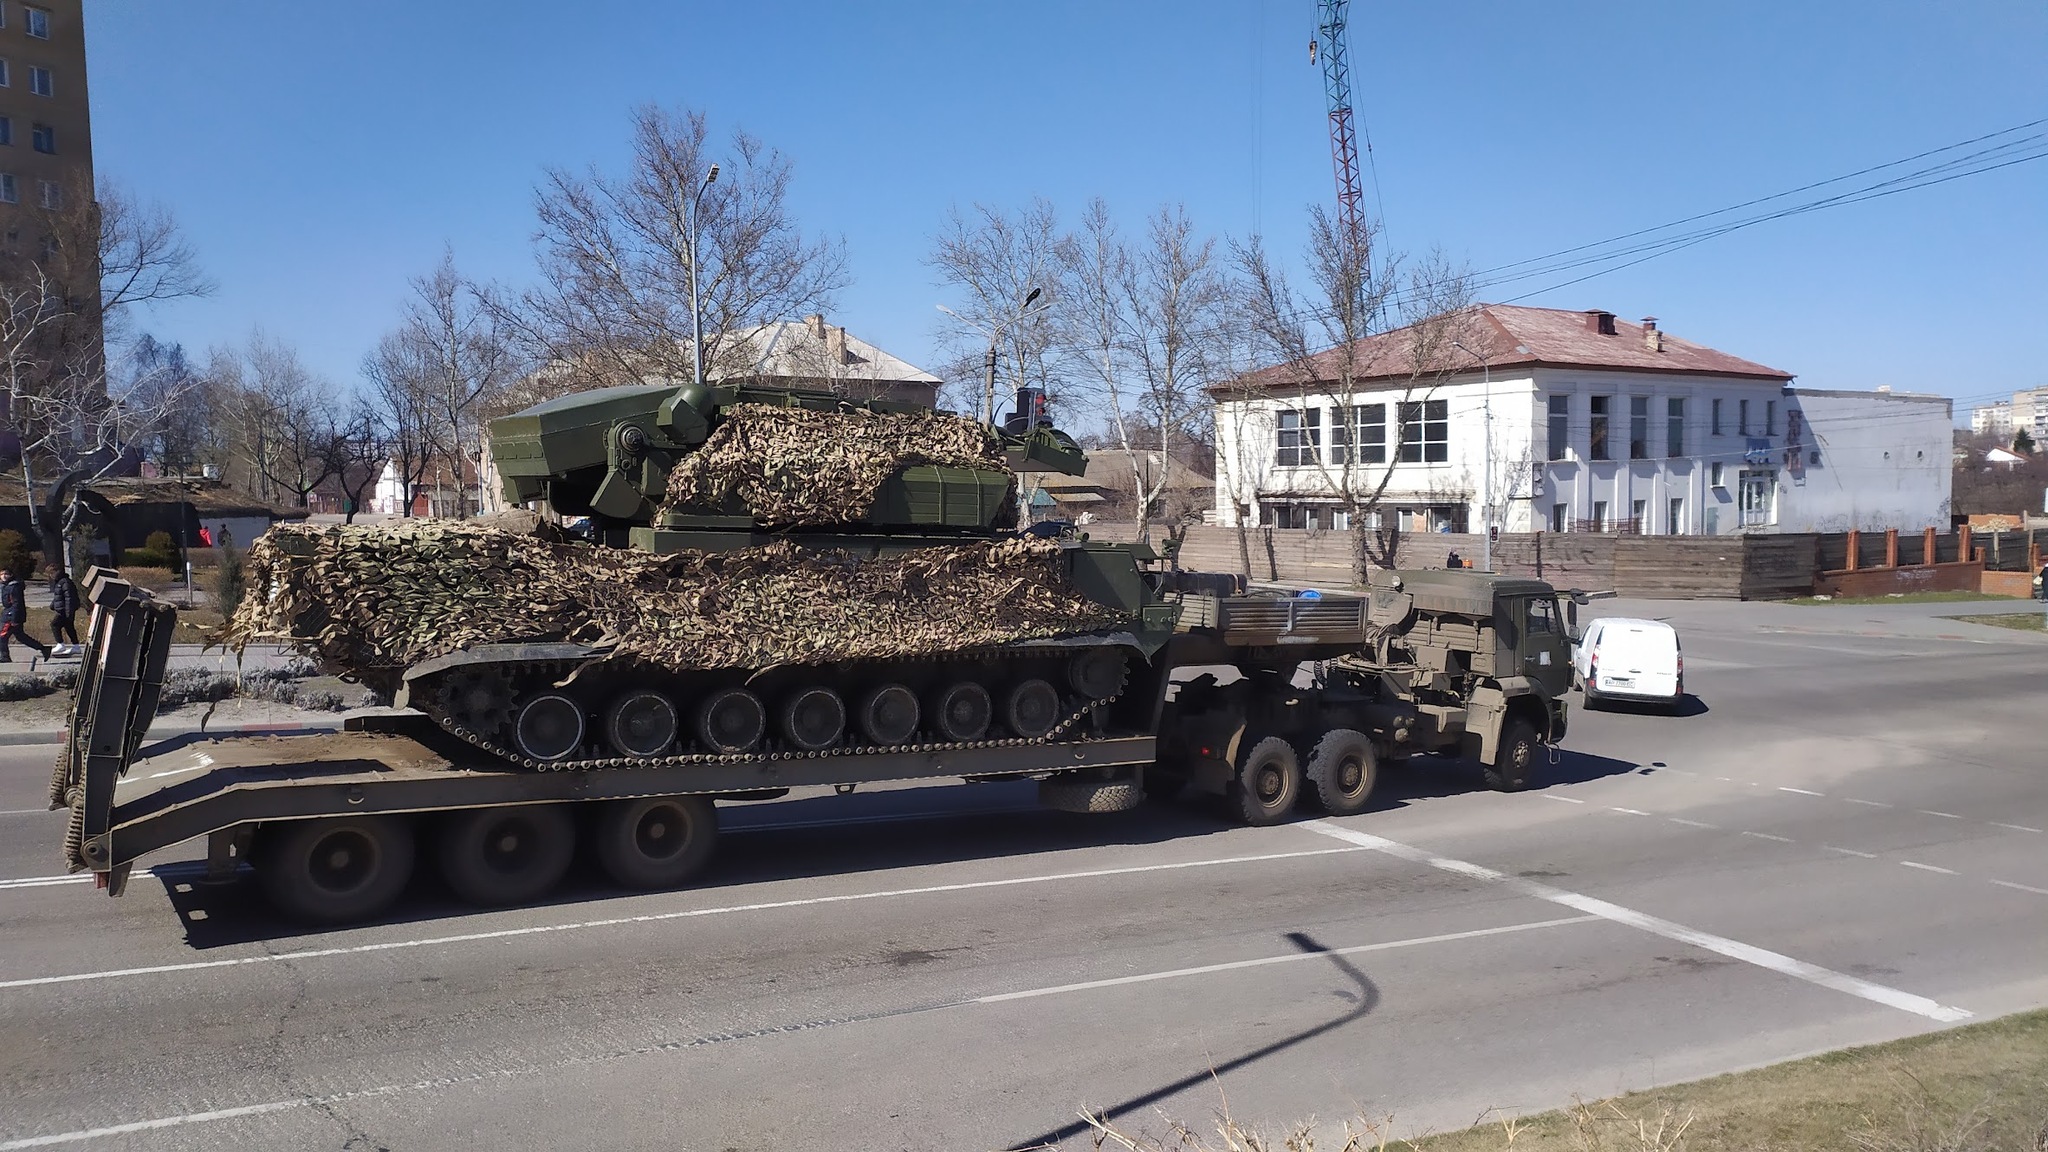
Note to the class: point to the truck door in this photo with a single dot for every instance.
(1546, 649)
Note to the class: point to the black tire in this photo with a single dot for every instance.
(1514, 760)
(549, 727)
(1090, 796)
(813, 719)
(1268, 782)
(889, 714)
(731, 720)
(338, 869)
(1341, 772)
(656, 841)
(961, 711)
(1099, 674)
(642, 724)
(1032, 709)
(510, 855)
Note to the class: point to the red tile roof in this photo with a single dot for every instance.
(1511, 336)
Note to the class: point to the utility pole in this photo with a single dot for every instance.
(1486, 456)
(696, 310)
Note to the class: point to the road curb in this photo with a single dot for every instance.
(56, 736)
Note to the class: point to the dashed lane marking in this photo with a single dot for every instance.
(2016, 827)
(1867, 803)
(1629, 811)
(1932, 812)
(1801, 791)
(1928, 867)
(1692, 823)
(1656, 925)
(1562, 799)
(2021, 887)
(1768, 836)
(1850, 852)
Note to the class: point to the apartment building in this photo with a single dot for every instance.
(45, 117)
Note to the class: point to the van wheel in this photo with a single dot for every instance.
(1514, 760)
(656, 842)
(509, 855)
(1341, 771)
(1268, 782)
(338, 869)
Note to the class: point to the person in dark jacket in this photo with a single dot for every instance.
(63, 607)
(14, 617)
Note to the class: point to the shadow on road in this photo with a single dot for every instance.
(1687, 705)
(1368, 999)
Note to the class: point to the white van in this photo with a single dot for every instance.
(1620, 658)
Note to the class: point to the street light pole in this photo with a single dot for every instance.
(995, 338)
(696, 310)
(1486, 466)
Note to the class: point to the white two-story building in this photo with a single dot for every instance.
(1538, 419)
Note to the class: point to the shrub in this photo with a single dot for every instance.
(164, 545)
(15, 554)
(36, 684)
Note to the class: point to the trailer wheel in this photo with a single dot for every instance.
(657, 841)
(338, 869)
(497, 856)
(1268, 782)
(1514, 759)
(1090, 796)
(1341, 771)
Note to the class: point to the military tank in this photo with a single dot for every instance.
(765, 573)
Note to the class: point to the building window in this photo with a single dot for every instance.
(1560, 427)
(38, 22)
(1717, 475)
(1425, 432)
(40, 82)
(52, 195)
(3, 72)
(1717, 415)
(6, 130)
(1300, 435)
(1638, 427)
(1599, 515)
(1770, 417)
(43, 138)
(1759, 487)
(1560, 517)
(1742, 417)
(1675, 522)
(1674, 427)
(8, 193)
(1366, 432)
(1597, 439)
(1639, 517)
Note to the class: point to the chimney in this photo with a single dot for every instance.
(816, 323)
(835, 346)
(1652, 339)
(1600, 322)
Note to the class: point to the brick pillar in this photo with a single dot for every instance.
(1891, 547)
(1963, 545)
(1927, 553)
(1849, 561)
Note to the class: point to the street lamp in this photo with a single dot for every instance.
(1486, 465)
(696, 310)
(995, 338)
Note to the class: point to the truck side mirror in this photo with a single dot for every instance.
(1571, 620)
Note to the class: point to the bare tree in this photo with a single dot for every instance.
(361, 447)
(401, 377)
(459, 346)
(286, 424)
(1000, 268)
(1345, 343)
(617, 255)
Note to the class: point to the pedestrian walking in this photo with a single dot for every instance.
(63, 607)
(14, 618)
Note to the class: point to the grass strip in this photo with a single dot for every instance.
(2018, 621)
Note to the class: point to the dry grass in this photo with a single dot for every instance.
(1900, 598)
(2019, 621)
(1983, 1088)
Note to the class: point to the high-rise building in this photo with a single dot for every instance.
(45, 122)
(1993, 419)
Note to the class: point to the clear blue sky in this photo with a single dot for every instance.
(318, 154)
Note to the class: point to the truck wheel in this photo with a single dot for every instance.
(1090, 795)
(1514, 760)
(1268, 782)
(338, 869)
(655, 842)
(1341, 771)
(497, 856)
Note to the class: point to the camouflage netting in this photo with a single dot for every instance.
(796, 468)
(369, 600)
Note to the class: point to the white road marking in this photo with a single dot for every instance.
(1563, 799)
(2016, 827)
(1768, 836)
(1850, 852)
(1943, 815)
(161, 1123)
(652, 918)
(161, 871)
(1866, 803)
(2021, 887)
(1288, 958)
(26, 811)
(1928, 868)
(1691, 823)
(45, 881)
(1801, 791)
(1670, 930)
(1629, 811)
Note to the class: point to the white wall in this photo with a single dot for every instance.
(1884, 461)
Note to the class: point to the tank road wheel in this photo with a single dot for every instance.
(1341, 771)
(889, 714)
(641, 724)
(507, 855)
(344, 868)
(1514, 758)
(962, 711)
(655, 842)
(1032, 709)
(731, 720)
(1099, 674)
(550, 727)
(479, 699)
(1268, 782)
(813, 719)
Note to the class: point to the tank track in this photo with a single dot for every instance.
(515, 757)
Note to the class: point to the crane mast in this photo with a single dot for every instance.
(1329, 45)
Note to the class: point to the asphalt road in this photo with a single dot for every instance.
(1845, 841)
